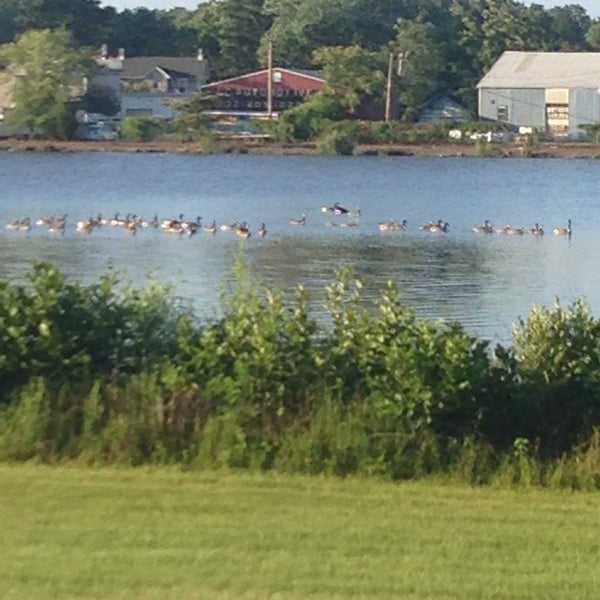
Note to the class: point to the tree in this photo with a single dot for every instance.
(592, 37)
(144, 32)
(48, 73)
(358, 74)
(242, 24)
(421, 67)
(101, 99)
(193, 118)
(569, 24)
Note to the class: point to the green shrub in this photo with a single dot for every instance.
(558, 355)
(141, 129)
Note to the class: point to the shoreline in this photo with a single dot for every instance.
(565, 150)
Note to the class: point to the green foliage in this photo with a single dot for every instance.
(357, 74)
(66, 332)
(337, 142)
(309, 119)
(559, 365)
(107, 373)
(193, 120)
(47, 71)
(101, 99)
(141, 129)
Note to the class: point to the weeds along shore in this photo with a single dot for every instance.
(110, 374)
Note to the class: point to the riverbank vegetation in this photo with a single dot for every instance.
(145, 534)
(111, 374)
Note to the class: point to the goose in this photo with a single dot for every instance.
(85, 226)
(487, 227)
(243, 231)
(538, 230)
(563, 230)
(151, 223)
(192, 227)
(298, 221)
(212, 228)
(57, 224)
(510, 230)
(393, 225)
(440, 226)
(228, 226)
(20, 224)
(131, 225)
(336, 209)
(262, 230)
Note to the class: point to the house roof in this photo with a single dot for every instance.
(251, 80)
(544, 70)
(139, 67)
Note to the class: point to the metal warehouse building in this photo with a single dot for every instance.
(555, 92)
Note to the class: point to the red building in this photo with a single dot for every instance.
(248, 95)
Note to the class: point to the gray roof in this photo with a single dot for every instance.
(544, 70)
(140, 66)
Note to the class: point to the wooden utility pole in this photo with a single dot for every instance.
(270, 81)
(388, 91)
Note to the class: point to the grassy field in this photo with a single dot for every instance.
(72, 532)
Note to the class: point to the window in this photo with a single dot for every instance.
(502, 112)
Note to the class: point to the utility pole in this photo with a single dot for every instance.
(270, 81)
(388, 90)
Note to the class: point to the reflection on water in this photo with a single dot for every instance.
(483, 281)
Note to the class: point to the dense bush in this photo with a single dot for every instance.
(107, 373)
(141, 129)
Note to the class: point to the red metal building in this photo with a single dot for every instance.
(248, 95)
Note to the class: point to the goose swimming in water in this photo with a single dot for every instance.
(212, 228)
(487, 227)
(20, 224)
(262, 230)
(440, 226)
(298, 221)
(336, 209)
(563, 230)
(537, 230)
(393, 225)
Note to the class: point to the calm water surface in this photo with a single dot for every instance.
(485, 282)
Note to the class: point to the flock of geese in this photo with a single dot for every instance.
(131, 223)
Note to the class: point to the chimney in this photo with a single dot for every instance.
(200, 54)
(121, 55)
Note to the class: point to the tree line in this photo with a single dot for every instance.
(447, 45)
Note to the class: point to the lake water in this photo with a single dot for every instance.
(485, 282)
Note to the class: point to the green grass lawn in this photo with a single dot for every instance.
(74, 532)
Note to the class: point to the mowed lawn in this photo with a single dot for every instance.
(75, 532)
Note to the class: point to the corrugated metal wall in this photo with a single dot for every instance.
(524, 106)
(527, 107)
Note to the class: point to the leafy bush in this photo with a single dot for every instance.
(140, 129)
(106, 373)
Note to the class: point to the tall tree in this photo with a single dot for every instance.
(144, 32)
(421, 65)
(358, 73)
(242, 24)
(48, 70)
(504, 28)
(569, 24)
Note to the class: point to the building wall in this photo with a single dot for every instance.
(525, 107)
(149, 105)
(584, 108)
